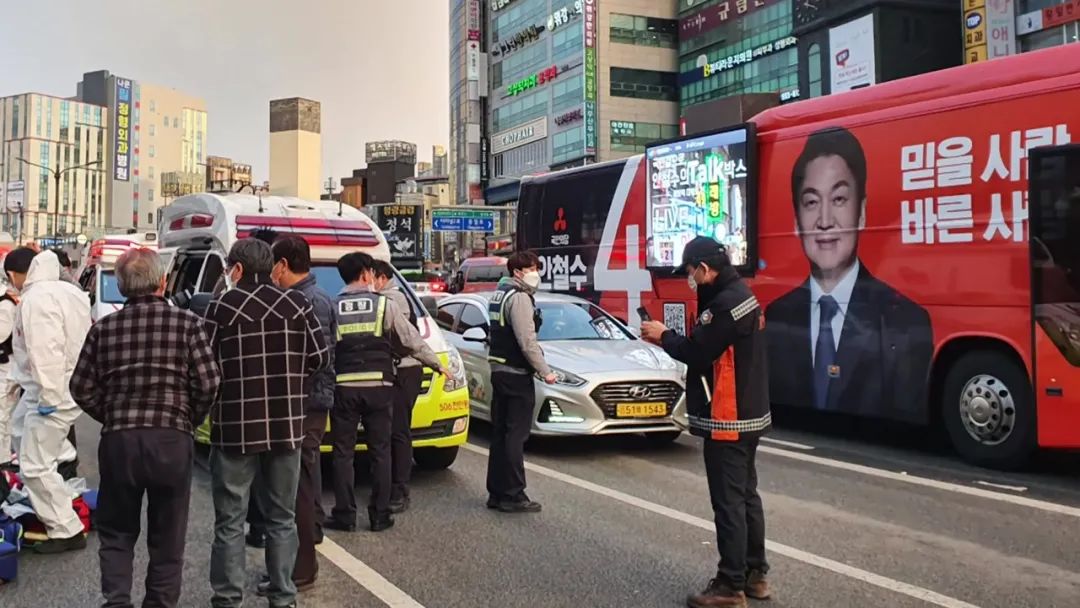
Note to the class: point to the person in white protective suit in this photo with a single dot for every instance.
(51, 323)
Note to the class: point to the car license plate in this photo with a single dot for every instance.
(640, 410)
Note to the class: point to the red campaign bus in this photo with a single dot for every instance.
(915, 244)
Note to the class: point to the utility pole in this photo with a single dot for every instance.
(57, 173)
(330, 188)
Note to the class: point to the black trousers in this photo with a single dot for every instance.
(308, 493)
(511, 421)
(740, 519)
(157, 463)
(374, 407)
(406, 390)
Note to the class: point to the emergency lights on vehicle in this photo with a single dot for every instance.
(533, 81)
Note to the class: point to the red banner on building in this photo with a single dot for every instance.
(1060, 14)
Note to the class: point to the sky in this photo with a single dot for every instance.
(379, 67)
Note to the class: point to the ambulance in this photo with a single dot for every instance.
(96, 276)
(203, 227)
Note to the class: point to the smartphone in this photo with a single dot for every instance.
(644, 314)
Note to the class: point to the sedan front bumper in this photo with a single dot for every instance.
(594, 408)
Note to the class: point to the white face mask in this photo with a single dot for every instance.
(690, 281)
(229, 283)
(531, 278)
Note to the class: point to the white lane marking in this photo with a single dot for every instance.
(1021, 501)
(884, 582)
(1002, 486)
(368, 578)
(787, 444)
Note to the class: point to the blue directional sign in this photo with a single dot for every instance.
(462, 220)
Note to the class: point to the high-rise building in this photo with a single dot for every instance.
(296, 148)
(468, 95)
(439, 161)
(388, 162)
(155, 130)
(43, 138)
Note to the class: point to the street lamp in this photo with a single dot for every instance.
(57, 174)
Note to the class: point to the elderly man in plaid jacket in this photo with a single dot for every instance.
(268, 342)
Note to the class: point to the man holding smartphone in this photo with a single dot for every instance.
(515, 356)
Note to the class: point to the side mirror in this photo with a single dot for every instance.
(430, 305)
(475, 334)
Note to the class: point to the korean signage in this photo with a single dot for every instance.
(519, 40)
(853, 64)
(563, 16)
(1060, 14)
(402, 225)
(498, 5)
(462, 220)
(14, 197)
(473, 24)
(590, 77)
(519, 136)
(989, 29)
(569, 117)
(123, 118)
(622, 128)
(533, 81)
(718, 14)
(384, 151)
(974, 31)
(726, 63)
(472, 59)
(484, 159)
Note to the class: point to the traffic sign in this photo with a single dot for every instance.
(462, 220)
(13, 199)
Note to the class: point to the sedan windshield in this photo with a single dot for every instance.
(578, 321)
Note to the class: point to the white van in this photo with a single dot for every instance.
(203, 227)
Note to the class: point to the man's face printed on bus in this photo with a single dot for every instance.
(829, 217)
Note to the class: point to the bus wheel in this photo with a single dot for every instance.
(435, 459)
(988, 410)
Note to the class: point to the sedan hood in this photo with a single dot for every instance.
(590, 356)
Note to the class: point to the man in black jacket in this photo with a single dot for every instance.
(727, 394)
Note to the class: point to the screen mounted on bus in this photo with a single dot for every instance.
(699, 186)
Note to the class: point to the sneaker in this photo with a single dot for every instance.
(53, 546)
(757, 587)
(400, 505)
(717, 594)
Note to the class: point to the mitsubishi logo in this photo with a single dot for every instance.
(640, 392)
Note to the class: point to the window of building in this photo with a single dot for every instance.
(151, 171)
(522, 160)
(165, 122)
(567, 41)
(153, 106)
(813, 69)
(567, 93)
(644, 31)
(568, 145)
(644, 84)
(175, 122)
(628, 136)
(151, 150)
(150, 195)
(520, 111)
(153, 130)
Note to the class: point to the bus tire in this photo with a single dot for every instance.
(988, 410)
(435, 459)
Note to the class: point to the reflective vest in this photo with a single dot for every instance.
(363, 352)
(504, 345)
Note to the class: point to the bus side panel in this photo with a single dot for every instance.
(1059, 415)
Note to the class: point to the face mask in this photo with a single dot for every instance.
(531, 279)
(691, 282)
(229, 283)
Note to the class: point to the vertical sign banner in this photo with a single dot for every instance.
(13, 198)
(402, 225)
(473, 25)
(1001, 28)
(122, 119)
(472, 58)
(974, 16)
(590, 77)
(853, 62)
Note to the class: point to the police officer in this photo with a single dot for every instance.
(728, 401)
(371, 333)
(515, 356)
(410, 375)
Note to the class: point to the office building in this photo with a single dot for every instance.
(468, 95)
(354, 188)
(1041, 24)
(43, 137)
(222, 174)
(388, 162)
(735, 60)
(296, 148)
(439, 161)
(154, 130)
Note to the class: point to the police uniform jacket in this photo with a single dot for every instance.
(727, 383)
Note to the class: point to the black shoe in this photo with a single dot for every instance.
(318, 535)
(60, 545)
(334, 524)
(380, 521)
(400, 505)
(255, 540)
(492, 502)
(263, 589)
(519, 506)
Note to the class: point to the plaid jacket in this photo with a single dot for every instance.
(148, 365)
(268, 343)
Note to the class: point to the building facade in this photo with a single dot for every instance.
(296, 148)
(440, 163)
(222, 174)
(354, 188)
(468, 95)
(155, 130)
(42, 138)
(388, 162)
(1043, 24)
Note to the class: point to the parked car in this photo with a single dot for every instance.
(479, 274)
(425, 281)
(619, 383)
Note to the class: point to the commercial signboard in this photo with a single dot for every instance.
(519, 136)
(473, 23)
(122, 137)
(563, 16)
(537, 79)
(14, 197)
(708, 69)
(590, 77)
(1060, 14)
(853, 64)
(989, 29)
(462, 220)
(383, 151)
(402, 224)
(472, 59)
(712, 17)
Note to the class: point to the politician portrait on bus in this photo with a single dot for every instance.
(844, 341)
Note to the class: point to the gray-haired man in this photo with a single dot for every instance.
(148, 375)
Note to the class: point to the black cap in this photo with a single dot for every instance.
(701, 248)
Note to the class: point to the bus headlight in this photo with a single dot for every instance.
(456, 380)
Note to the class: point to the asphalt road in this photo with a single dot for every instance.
(893, 521)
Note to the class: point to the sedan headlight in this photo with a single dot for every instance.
(457, 379)
(567, 379)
